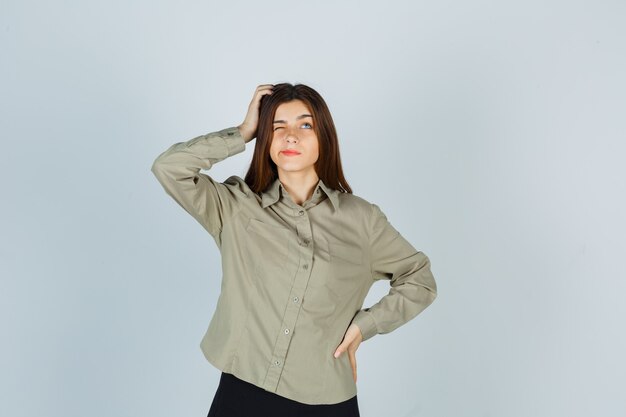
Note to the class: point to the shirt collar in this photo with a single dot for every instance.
(273, 193)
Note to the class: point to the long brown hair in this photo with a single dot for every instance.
(263, 170)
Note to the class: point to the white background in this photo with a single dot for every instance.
(491, 133)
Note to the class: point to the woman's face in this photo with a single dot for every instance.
(293, 131)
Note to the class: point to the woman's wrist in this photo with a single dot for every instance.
(245, 134)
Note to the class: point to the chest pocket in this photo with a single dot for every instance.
(340, 252)
(268, 245)
(346, 270)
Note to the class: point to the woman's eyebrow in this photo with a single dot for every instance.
(297, 118)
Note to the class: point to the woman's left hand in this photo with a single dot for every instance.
(351, 341)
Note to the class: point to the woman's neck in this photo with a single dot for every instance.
(299, 185)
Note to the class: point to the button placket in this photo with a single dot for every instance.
(304, 253)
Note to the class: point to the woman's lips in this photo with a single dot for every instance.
(290, 152)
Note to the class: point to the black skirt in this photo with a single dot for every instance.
(237, 398)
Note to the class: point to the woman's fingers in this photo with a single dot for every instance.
(248, 127)
(352, 356)
(355, 340)
(264, 87)
(340, 349)
(350, 343)
(261, 90)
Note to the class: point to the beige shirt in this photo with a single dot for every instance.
(293, 276)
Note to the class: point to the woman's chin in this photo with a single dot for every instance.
(287, 168)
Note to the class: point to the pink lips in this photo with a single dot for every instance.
(290, 152)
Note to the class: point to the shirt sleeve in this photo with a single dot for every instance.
(413, 286)
(178, 170)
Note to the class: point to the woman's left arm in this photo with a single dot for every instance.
(413, 286)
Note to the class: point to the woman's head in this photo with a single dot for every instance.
(295, 117)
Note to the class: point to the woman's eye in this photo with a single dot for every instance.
(306, 124)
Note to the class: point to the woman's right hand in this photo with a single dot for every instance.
(249, 126)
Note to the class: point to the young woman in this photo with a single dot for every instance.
(299, 254)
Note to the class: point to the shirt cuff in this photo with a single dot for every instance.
(233, 139)
(366, 324)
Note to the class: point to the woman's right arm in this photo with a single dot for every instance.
(210, 202)
(178, 171)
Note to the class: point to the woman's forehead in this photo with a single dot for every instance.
(292, 109)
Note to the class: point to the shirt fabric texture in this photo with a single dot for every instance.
(293, 276)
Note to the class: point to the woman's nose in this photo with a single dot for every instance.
(291, 135)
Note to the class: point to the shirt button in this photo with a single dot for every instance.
(301, 212)
(305, 266)
(286, 331)
(276, 363)
(295, 299)
(305, 241)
